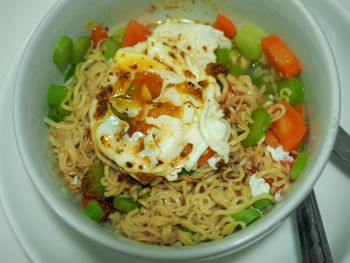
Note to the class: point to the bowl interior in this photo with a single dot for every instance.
(287, 19)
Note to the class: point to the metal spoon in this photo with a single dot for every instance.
(313, 240)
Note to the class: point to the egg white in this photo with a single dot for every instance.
(178, 53)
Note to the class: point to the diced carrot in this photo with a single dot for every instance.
(280, 57)
(290, 128)
(206, 156)
(224, 24)
(134, 33)
(271, 140)
(98, 33)
(299, 108)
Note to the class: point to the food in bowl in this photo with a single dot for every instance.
(177, 132)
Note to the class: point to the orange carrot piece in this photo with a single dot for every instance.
(98, 33)
(224, 24)
(299, 108)
(271, 140)
(206, 156)
(134, 33)
(280, 57)
(290, 128)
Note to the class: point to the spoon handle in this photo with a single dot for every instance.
(313, 240)
(342, 145)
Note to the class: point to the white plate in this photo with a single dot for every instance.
(46, 238)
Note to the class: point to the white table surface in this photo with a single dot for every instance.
(18, 19)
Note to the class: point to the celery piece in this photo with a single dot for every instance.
(258, 128)
(223, 56)
(235, 71)
(296, 89)
(248, 41)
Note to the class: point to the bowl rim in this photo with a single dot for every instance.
(198, 252)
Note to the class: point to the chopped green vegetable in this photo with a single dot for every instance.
(94, 211)
(80, 47)
(70, 73)
(298, 166)
(110, 46)
(62, 51)
(220, 85)
(262, 76)
(95, 174)
(55, 95)
(223, 56)
(145, 196)
(261, 117)
(118, 33)
(248, 41)
(238, 60)
(264, 98)
(121, 115)
(124, 204)
(186, 229)
(130, 92)
(294, 86)
(57, 114)
(301, 147)
(258, 128)
(235, 71)
(262, 203)
(184, 171)
(248, 216)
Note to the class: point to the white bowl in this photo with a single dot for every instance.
(288, 19)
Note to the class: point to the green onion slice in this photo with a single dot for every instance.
(70, 73)
(57, 114)
(55, 95)
(262, 203)
(62, 51)
(80, 48)
(298, 166)
(248, 216)
(110, 46)
(124, 204)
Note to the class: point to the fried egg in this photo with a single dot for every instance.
(156, 111)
